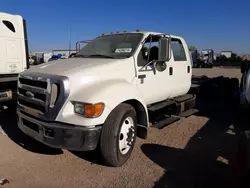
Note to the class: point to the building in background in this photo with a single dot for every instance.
(228, 54)
(64, 53)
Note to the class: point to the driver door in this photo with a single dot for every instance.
(154, 85)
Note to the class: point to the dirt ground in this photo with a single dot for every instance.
(216, 71)
(194, 152)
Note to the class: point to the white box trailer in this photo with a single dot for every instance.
(14, 56)
(228, 54)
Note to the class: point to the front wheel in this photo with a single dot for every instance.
(118, 135)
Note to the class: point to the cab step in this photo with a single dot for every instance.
(170, 102)
(183, 98)
(161, 105)
(167, 112)
(165, 122)
(189, 112)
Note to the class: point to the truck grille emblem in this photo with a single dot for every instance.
(29, 94)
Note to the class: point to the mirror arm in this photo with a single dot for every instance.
(146, 65)
(154, 69)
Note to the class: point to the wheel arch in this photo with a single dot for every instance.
(142, 117)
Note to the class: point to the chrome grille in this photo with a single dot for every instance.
(34, 83)
(34, 95)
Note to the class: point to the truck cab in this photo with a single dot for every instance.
(102, 98)
(207, 58)
(13, 53)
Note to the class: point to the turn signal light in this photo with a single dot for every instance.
(93, 110)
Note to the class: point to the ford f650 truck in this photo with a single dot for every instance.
(13, 53)
(109, 93)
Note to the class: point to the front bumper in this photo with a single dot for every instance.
(59, 135)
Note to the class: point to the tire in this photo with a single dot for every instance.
(121, 120)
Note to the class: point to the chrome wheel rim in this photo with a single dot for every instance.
(126, 135)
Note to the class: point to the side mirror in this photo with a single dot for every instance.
(160, 66)
(164, 49)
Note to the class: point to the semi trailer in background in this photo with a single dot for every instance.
(204, 59)
(14, 56)
(207, 58)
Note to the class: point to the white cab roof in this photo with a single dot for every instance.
(146, 33)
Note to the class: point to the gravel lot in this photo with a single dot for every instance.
(191, 153)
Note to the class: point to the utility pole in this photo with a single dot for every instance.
(69, 39)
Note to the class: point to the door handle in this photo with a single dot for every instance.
(188, 69)
(142, 76)
(171, 70)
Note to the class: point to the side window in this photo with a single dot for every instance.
(153, 52)
(9, 25)
(178, 50)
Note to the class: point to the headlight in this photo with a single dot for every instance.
(79, 108)
(88, 110)
(54, 95)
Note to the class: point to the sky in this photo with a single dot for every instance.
(217, 24)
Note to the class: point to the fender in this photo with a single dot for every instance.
(110, 92)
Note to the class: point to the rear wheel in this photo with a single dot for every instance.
(118, 135)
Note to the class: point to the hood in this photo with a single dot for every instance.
(71, 66)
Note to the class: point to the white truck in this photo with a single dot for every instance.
(107, 94)
(14, 56)
(245, 85)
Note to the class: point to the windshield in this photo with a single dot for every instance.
(112, 46)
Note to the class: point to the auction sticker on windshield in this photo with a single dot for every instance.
(123, 50)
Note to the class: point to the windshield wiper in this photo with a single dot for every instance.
(101, 55)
